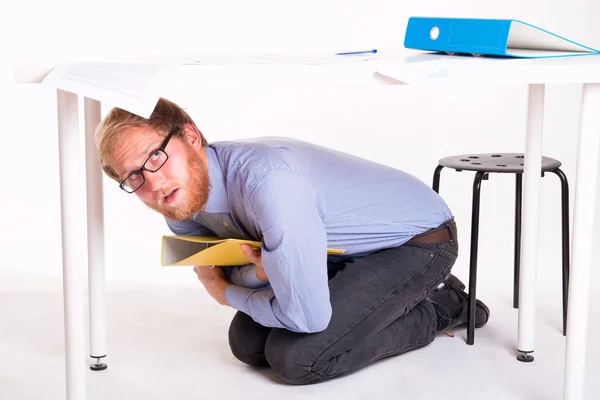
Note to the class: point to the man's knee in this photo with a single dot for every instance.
(290, 359)
(247, 340)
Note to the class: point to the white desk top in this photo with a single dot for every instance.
(411, 66)
(142, 81)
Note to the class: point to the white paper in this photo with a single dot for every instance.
(529, 41)
(131, 86)
(277, 58)
(411, 73)
(448, 69)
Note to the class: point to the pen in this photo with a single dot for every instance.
(351, 53)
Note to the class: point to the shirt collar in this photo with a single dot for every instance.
(217, 199)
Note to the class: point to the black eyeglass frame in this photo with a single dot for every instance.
(140, 171)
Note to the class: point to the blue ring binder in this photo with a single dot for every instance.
(489, 37)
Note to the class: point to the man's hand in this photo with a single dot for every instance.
(214, 281)
(255, 256)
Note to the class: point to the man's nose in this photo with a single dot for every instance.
(154, 180)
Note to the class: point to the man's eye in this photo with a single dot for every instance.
(134, 177)
(155, 155)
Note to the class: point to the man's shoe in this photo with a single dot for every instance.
(451, 305)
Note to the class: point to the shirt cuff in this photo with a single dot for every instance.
(236, 297)
(246, 276)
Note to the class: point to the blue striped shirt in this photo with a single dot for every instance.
(301, 198)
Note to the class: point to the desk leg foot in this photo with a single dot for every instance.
(525, 356)
(98, 366)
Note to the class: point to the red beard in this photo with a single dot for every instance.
(195, 194)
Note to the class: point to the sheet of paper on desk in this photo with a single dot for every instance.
(445, 68)
(287, 59)
(259, 59)
(133, 86)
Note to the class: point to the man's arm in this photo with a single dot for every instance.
(294, 256)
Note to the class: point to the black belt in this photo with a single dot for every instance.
(438, 236)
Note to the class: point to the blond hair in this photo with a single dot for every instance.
(166, 116)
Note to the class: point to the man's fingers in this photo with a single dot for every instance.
(247, 250)
(199, 269)
(253, 255)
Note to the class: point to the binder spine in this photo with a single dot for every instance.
(458, 35)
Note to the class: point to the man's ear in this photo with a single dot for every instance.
(191, 135)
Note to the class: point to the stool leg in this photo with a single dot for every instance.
(518, 217)
(479, 176)
(565, 243)
(436, 178)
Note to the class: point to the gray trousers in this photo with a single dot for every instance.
(380, 309)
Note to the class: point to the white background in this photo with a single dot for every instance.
(404, 127)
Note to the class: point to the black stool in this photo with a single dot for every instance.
(484, 164)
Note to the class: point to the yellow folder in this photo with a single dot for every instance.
(207, 250)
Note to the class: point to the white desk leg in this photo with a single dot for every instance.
(73, 289)
(583, 231)
(529, 232)
(95, 230)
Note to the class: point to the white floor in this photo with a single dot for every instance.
(169, 341)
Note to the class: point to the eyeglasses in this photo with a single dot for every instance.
(157, 159)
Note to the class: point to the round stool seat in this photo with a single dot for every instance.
(494, 162)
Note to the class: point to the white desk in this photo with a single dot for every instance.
(420, 69)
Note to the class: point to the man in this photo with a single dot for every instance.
(308, 316)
